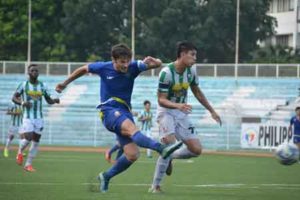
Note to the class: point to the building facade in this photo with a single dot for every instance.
(287, 13)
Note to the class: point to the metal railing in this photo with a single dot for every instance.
(209, 70)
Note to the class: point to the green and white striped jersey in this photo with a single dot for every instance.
(16, 119)
(33, 93)
(177, 85)
(147, 124)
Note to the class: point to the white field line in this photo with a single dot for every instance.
(80, 159)
(212, 186)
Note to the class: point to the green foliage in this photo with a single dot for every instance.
(80, 30)
(276, 54)
(13, 31)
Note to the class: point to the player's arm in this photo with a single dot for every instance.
(73, 76)
(9, 111)
(17, 99)
(50, 100)
(162, 93)
(152, 63)
(202, 99)
(165, 102)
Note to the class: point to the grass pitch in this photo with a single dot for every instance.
(72, 175)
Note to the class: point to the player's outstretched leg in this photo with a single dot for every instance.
(146, 142)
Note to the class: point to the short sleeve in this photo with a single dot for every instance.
(164, 81)
(195, 80)
(20, 88)
(95, 68)
(141, 65)
(292, 121)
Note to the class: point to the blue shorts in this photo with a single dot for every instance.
(113, 117)
(296, 139)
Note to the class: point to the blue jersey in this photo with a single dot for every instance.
(296, 123)
(114, 83)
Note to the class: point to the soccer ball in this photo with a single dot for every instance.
(287, 154)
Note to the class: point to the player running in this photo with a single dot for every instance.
(117, 80)
(15, 111)
(295, 123)
(173, 110)
(29, 95)
(145, 117)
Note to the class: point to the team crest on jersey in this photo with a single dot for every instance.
(35, 95)
(117, 113)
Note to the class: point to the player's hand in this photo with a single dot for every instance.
(27, 104)
(60, 87)
(152, 62)
(216, 117)
(185, 108)
(56, 100)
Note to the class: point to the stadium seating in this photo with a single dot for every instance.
(75, 121)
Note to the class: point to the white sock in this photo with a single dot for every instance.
(183, 153)
(8, 142)
(32, 153)
(149, 152)
(22, 145)
(160, 170)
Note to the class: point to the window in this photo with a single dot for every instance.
(298, 14)
(282, 40)
(285, 5)
(272, 7)
(291, 5)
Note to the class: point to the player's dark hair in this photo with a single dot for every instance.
(31, 65)
(121, 50)
(184, 46)
(147, 102)
(297, 108)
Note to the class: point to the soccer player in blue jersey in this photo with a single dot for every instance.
(295, 123)
(29, 95)
(117, 80)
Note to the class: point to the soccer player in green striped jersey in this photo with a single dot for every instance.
(173, 109)
(29, 95)
(15, 111)
(145, 117)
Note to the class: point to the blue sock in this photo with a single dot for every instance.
(113, 149)
(121, 165)
(119, 154)
(143, 141)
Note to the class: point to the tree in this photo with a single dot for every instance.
(276, 54)
(13, 32)
(46, 39)
(210, 24)
(93, 26)
(81, 30)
